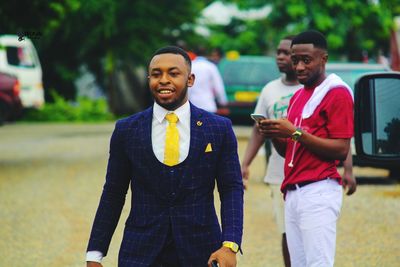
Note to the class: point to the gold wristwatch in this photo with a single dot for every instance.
(297, 134)
(231, 245)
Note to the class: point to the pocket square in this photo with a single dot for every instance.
(208, 148)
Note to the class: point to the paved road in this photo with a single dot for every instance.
(51, 177)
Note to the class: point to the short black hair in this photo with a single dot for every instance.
(311, 37)
(173, 50)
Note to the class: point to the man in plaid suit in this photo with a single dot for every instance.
(172, 221)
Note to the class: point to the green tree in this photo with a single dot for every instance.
(110, 37)
(351, 26)
(241, 35)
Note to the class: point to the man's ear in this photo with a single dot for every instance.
(190, 80)
(325, 57)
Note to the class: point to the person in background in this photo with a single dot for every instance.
(208, 92)
(172, 155)
(216, 55)
(313, 138)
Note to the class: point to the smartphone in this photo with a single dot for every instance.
(214, 264)
(257, 117)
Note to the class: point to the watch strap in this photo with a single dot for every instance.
(231, 245)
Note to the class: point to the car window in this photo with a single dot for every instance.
(388, 115)
(20, 56)
(248, 73)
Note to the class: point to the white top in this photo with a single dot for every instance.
(159, 125)
(273, 103)
(332, 81)
(208, 85)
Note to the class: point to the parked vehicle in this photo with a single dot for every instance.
(19, 58)
(377, 120)
(244, 77)
(10, 103)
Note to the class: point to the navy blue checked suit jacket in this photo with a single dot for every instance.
(178, 199)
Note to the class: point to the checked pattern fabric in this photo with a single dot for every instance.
(171, 153)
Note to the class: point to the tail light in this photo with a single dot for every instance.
(16, 88)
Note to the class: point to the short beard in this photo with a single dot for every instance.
(313, 80)
(175, 104)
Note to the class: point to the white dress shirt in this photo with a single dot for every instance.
(158, 128)
(208, 85)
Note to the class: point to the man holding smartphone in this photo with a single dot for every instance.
(315, 135)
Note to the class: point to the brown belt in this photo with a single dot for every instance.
(291, 187)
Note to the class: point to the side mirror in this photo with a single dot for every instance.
(377, 117)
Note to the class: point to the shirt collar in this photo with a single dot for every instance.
(183, 112)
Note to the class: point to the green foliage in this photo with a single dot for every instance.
(104, 33)
(83, 110)
(247, 37)
(351, 26)
(98, 33)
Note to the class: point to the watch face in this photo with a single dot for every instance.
(234, 248)
(296, 135)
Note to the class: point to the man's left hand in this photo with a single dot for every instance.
(224, 256)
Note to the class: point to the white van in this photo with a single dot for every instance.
(18, 57)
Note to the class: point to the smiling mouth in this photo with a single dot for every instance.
(165, 91)
(302, 75)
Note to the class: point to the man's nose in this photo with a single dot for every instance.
(164, 78)
(300, 65)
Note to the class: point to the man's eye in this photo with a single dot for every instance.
(174, 74)
(295, 61)
(307, 61)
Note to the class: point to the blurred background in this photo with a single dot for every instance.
(70, 68)
(99, 49)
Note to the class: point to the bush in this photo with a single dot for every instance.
(83, 110)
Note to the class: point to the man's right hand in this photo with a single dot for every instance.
(245, 175)
(93, 264)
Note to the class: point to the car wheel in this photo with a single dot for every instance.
(4, 112)
(394, 173)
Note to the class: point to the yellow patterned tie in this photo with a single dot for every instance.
(171, 153)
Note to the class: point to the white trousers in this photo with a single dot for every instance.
(311, 213)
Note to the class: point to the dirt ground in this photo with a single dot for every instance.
(51, 177)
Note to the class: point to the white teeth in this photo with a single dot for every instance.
(165, 91)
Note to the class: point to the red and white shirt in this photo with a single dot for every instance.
(332, 118)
